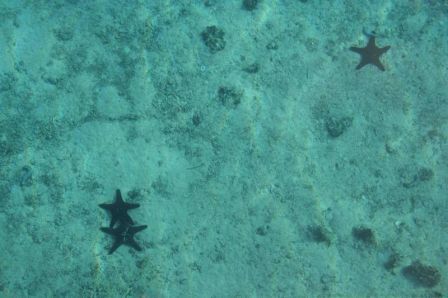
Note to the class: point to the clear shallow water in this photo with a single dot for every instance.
(264, 164)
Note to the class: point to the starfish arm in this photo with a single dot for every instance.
(131, 205)
(109, 231)
(118, 197)
(106, 206)
(356, 50)
(113, 221)
(114, 246)
(127, 219)
(134, 230)
(371, 42)
(379, 65)
(384, 50)
(361, 64)
(132, 243)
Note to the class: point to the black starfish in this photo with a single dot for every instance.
(119, 210)
(124, 234)
(370, 54)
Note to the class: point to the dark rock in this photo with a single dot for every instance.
(64, 34)
(336, 127)
(210, 3)
(272, 45)
(213, 38)
(425, 174)
(319, 234)
(25, 176)
(196, 119)
(262, 231)
(7, 81)
(410, 178)
(392, 262)
(422, 275)
(363, 234)
(229, 97)
(250, 4)
(253, 68)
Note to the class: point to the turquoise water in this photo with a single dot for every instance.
(264, 163)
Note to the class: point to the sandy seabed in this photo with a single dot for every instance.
(264, 164)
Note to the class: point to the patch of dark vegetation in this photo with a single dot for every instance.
(160, 186)
(435, 295)
(7, 81)
(24, 177)
(210, 3)
(319, 234)
(422, 275)
(136, 194)
(327, 282)
(88, 183)
(31, 200)
(5, 189)
(252, 68)
(213, 37)
(250, 4)
(312, 44)
(12, 140)
(229, 97)
(64, 34)
(425, 174)
(262, 231)
(195, 267)
(48, 179)
(272, 45)
(364, 235)
(392, 261)
(47, 131)
(337, 126)
(196, 119)
(410, 179)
